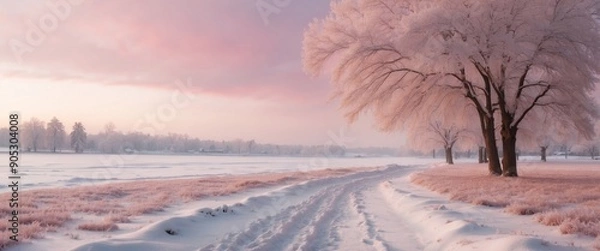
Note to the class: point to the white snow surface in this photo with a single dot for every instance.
(43, 170)
(374, 210)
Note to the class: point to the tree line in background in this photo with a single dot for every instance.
(36, 135)
(439, 70)
(435, 137)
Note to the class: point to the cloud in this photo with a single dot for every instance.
(223, 46)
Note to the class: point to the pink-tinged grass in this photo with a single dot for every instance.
(118, 218)
(46, 210)
(101, 226)
(596, 243)
(566, 195)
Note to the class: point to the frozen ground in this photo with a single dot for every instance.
(562, 194)
(64, 170)
(371, 210)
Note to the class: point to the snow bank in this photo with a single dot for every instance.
(441, 227)
(564, 194)
(45, 210)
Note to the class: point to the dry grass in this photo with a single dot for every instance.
(117, 218)
(596, 244)
(558, 194)
(45, 210)
(101, 226)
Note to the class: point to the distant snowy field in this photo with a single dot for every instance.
(41, 170)
(373, 209)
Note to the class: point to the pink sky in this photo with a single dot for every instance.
(118, 61)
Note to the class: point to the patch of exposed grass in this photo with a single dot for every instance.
(566, 195)
(46, 210)
(101, 226)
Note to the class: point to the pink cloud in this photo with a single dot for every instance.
(223, 46)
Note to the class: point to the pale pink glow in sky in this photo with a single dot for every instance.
(116, 61)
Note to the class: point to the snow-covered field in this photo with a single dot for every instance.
(374, 209)
(64, 170)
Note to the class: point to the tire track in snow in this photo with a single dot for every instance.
(299, 225)
(307, 225)
(366, 223)
(273, 232)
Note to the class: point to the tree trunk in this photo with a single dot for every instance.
(509, 151)
(449, 158)
(485, 158)
(543, 152)
(492, 150)
(433, 153)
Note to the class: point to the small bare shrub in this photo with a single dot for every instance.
(72, 236)
(118, 218)
(569, 226)
(551, 218)
(102, 226)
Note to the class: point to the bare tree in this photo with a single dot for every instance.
(251, 144)
(78, 137)
(592, 146)
(238, 145)
(405, 59)
(543, 130)
(472, 138)
(33, 132)
(538, 132)
(56, 134)
(446, 136)
(110, 142)
(593, 149)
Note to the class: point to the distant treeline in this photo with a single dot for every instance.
(37, 136)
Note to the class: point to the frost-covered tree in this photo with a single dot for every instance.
(592, 146)
(110, 140)
(238, 145)
(472, 138)
(78, 137)
(251, 144)
(542, 130)
(33, 133)
(566, 146)
(55, 133)
(442, 135)
(435, 132)
(406, 59)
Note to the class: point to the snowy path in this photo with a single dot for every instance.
(320, 220)
(377, 210)
(343, 213)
